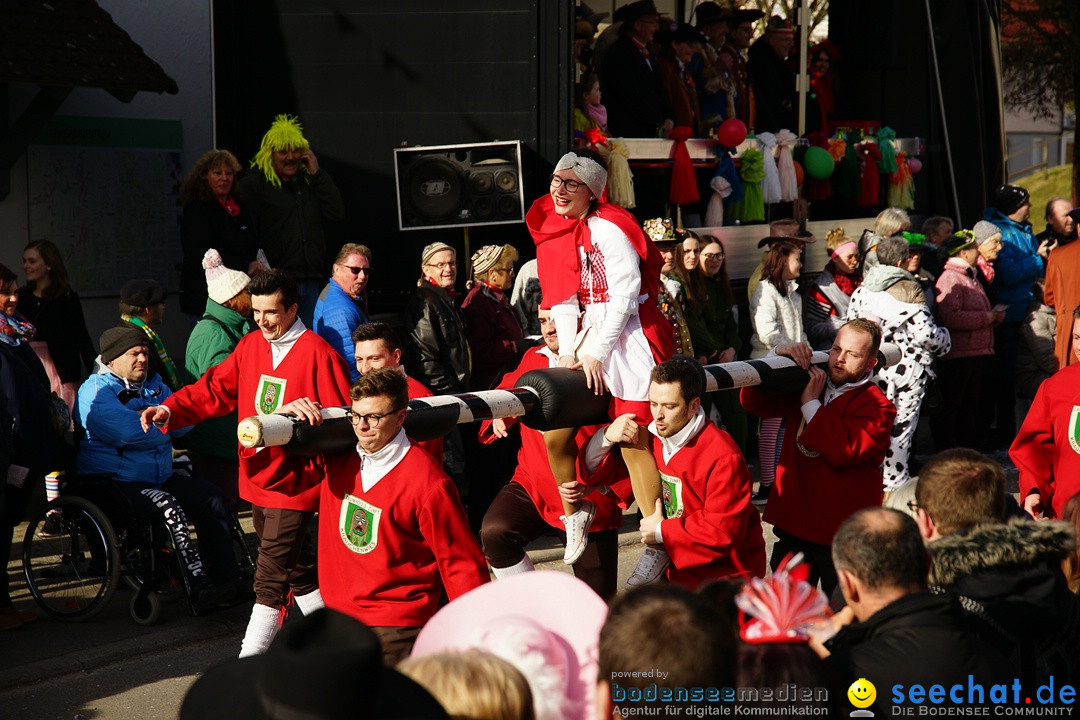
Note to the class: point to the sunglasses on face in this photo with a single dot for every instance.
(358, 270)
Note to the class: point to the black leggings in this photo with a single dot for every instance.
(173, 502)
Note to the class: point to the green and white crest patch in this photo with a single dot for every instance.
(671, 488)
(269, 394)
(359, 524)
(1074, 429)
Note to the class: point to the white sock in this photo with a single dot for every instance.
(309, 603)
(263, 625)
(516, 569)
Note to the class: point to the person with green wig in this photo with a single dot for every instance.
(289, 197)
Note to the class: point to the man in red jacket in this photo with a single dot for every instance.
(392, 531)
(283, 369)
(838, 433)
(530, 504)
(705, 521)
(1047, 448)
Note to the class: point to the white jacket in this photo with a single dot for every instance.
(777, 318)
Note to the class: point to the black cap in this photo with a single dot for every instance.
(116, 341)
(1010, 198)
(142, 292)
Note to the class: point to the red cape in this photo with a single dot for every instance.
(557, 239)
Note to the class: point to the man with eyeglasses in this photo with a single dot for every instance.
(282, 369)
(342, 304)
(377, 346)
(393, 532)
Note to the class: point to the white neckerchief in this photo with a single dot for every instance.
(377, 465)
(280, 348)
(553, 359)
(676, 442)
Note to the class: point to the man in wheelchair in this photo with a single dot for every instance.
(114, 444)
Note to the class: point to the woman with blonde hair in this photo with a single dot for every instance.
(827, 303)
(473, 684)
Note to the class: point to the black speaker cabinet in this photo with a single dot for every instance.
(459, 185)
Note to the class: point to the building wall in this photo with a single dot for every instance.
(177, 36)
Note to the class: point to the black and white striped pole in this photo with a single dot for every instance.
(544, 400)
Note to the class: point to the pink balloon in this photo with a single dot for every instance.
(731, 133)
(915, 165)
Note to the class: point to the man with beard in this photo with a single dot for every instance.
(705, 520)
(830, 466)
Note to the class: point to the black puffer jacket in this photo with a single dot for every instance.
(437, 353)
(1014, 593)
(919, 639)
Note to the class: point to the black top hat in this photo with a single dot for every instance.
(708, 13)
(744, 16)
(679, 32)
(325, 665)
(635, 10)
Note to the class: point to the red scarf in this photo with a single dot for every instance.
(497, 292)
(230, 205)
(557, 239)
(847, 283)
(433, 281)
(987, 269)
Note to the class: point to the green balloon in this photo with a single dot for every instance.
(818, 163)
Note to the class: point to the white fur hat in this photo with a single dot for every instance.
(222, 283)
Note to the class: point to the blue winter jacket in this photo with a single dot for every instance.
(115, 443)
(1018, 265)
(336, 316)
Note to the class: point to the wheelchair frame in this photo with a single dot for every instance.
(73, 575)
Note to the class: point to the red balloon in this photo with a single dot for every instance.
(798, 173)
(914, 164)
(731, 133)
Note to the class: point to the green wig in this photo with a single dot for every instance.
(284, 133)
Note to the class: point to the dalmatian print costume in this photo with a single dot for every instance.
(911, 326)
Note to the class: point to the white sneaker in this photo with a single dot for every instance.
(577, 531)
(650, 567)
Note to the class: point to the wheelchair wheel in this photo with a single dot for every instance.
(145, 608)
(148, 557)
(72, 574)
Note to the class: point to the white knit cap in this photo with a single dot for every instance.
(222, 284)
(588, 171)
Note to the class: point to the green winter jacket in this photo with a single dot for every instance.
(208, 345)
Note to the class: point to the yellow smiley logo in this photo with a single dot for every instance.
(862, 693)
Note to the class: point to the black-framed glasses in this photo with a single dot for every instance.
(570, 185)
(912, 506)
(358, 270)
(371, 420)
(443, 265)
(712, 256)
